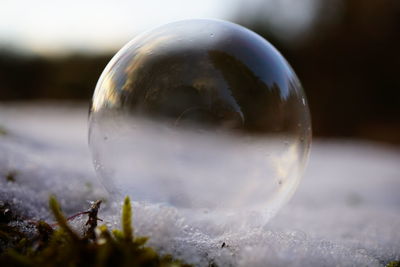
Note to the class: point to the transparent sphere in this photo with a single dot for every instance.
(202, 116)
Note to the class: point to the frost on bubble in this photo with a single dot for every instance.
(205, 117)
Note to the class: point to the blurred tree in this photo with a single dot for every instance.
(24, 77)
(349, 63)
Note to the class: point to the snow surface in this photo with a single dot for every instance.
(346, 211)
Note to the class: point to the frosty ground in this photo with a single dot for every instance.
(346, 211)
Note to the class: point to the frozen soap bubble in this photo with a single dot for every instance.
(204, 117)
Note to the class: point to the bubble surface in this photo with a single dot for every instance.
(205, 117)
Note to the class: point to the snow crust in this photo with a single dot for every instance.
(346, 211)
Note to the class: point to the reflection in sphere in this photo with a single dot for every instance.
(203, 116)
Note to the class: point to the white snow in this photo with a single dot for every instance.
(346, 211)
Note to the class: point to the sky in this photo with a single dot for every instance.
(56, 26)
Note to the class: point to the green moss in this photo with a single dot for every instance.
(11, 176)
(3, 131)
(393, 264)
(61, 220)
(127, 220)
(64, 247)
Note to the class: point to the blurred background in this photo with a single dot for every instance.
(345, 52)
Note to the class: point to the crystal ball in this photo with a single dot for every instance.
(202, 116)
